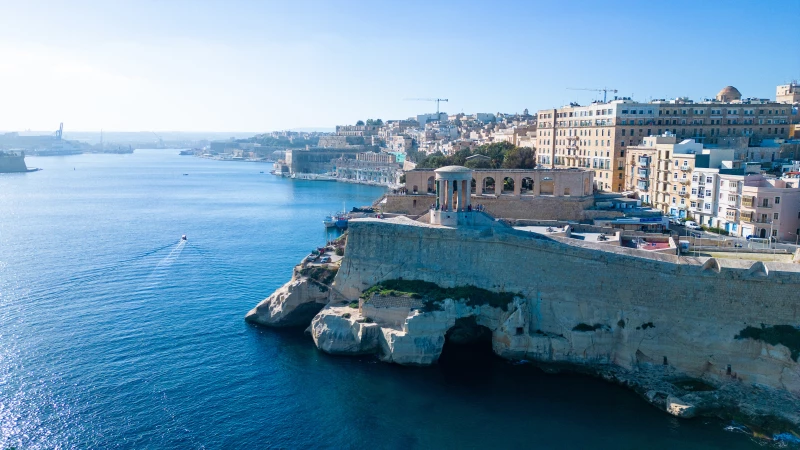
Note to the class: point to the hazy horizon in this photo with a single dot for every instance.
(196, 66)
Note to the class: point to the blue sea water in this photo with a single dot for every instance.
(114, 334)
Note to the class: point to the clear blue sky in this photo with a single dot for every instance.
(267, 65)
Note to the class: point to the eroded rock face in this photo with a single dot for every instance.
(342, 331)
(293, 304)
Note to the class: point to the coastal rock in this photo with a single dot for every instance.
(293, 304)
(680, 408)
(342, 331)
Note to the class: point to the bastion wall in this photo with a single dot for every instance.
(643, 308)
(515, 207)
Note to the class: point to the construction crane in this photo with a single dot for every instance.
(160, 141)
(605, 91)
(437, 100)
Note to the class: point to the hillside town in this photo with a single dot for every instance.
(728, 164)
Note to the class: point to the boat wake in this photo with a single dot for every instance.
(162, 268)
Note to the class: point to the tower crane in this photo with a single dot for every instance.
(437, 100)
(160, 141)
(605, 91)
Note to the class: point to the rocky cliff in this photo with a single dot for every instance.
(295, 303)
(692, 335)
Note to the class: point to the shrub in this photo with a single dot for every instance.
(353, 305)
(432, 294)
(583, 327)
(346, 315)
(339, 251)
(779, 334)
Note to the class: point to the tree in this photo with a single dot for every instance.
(370, 122)
(378, 122)
(519, 158)
(360, 123)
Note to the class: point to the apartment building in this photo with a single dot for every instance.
(788, 93)
(773, 203)
(597, 136)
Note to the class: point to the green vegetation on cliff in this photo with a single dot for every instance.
(322, 275)
(779, 334)
(432, 294)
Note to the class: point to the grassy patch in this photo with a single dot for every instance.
(585, 327)
(779, 334)
(353, 305)
(432, 294)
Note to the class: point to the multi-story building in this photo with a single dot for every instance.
(754, 205)
(357, 130)
(597, 136)
(788, 93)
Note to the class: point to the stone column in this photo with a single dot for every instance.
(449, 195)
(438, 193)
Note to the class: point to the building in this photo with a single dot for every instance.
(383, 158)
(763, 206)
(597, 136)
(357, 130)
(788, 93)
(367, 171)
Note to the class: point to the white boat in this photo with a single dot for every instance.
(183, 238)
(330, 221)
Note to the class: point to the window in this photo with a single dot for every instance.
(708, 180)
(774, 233)
(732, 198)
(673, 200)
(694, 204)
(777, 201)
(775, 216)
(708, 206)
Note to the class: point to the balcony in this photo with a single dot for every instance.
(686, 169)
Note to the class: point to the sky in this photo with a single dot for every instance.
(273, 65)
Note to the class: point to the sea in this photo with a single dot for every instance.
(116, 334)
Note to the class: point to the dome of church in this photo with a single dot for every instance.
(729, 93)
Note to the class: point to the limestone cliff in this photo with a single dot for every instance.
(692, 335)
(293, 304)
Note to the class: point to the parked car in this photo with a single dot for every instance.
(311, 257)
(674, 220)
(692, 225)
(325, 259)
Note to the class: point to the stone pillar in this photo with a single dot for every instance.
(498, 185)
(517, 184)
(449, 195)
(438, 193)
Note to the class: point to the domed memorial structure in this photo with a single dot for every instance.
(453, 203)
(728, 94)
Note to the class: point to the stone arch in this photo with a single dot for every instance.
(488, 185)
(466, 342)
(508, 185)
(566, 192)
(414, 190)
(473, 186)
(547, 186)
(431, 185)
(526, 186)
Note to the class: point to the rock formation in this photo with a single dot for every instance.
(294, 304)
(693, 337)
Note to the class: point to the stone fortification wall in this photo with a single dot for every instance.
(9, 164)
(582, 305)
(506, 207)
